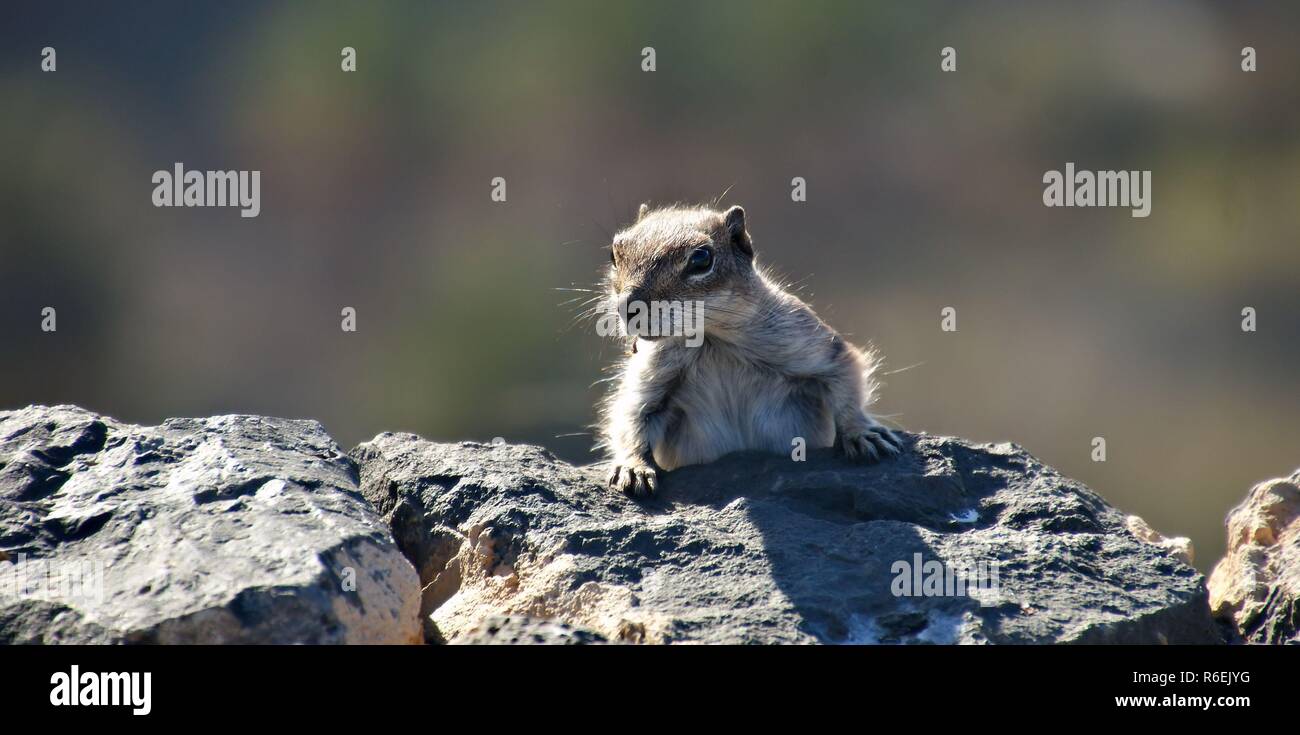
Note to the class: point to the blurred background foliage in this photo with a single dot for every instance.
(924, 191)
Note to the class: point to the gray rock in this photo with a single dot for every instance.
(232, 529)
(760, 549)
(1255, 588)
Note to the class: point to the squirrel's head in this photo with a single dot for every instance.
(681, 269)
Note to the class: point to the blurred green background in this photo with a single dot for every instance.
(924, 191)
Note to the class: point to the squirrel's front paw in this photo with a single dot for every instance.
(870, 444)
(637, 480)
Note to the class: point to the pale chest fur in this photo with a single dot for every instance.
(719, 403)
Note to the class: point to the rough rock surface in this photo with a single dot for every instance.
(232, 529)
(760, 549)
(517, 630)
(1256, 586)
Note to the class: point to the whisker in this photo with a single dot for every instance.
(723, 195)
(909, 367)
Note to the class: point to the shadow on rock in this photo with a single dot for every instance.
(951, 543)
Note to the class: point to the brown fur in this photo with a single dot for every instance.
(766, 371)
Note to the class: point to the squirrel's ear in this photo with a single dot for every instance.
(733, 224)
(642, 212)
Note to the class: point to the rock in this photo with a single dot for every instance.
(1179, 546)
(1256, 586)
(952, 542)
(232, 529)
(517, 630)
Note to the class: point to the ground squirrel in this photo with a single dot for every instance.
(759, 370)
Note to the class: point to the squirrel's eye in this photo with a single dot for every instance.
(700, 261)
(612, 260)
